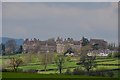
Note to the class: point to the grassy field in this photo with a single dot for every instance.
(35, 65)
(116, 61)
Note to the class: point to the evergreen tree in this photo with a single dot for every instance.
(85, 41)
(20, 49)
(2, 48)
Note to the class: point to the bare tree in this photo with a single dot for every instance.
(60, 62)
(10, 46)
(15, 63)
(84, 51)
(88, 62)
(27, 58)
(45, 59)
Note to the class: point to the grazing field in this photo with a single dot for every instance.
(52, 68)
(115, 61)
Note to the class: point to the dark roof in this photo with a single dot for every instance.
(97, 40)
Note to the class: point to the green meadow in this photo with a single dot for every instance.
(52, 71)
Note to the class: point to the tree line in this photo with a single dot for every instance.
(10, 47)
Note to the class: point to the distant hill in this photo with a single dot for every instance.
(5, 39)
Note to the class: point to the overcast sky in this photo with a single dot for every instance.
(48, 20)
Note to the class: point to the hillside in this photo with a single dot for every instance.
(5, 39)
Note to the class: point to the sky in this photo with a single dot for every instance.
(60, 19)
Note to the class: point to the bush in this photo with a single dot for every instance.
(78, 71)
(68, 72)
(6, 64)
(15, 63)
(19, 70)
(7, 70)
(109, 55)
(30, 71)
(117, 54)
(68, 58)
(110, 74)
(96, 73)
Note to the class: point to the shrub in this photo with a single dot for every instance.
(109, 55)
(19, 70)
(117, 54)
(100, 68)
(68, 71)
(78, 71)
(68, 58)
(110, 74)
(96, 73)
(60, 63)
(15, 63)
(5, 64)
(7, 70)
(30, 71)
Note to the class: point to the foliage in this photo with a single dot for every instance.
(68, 71)
(95, 46)
(111, 46)
(116, 54)
(20, 49)
(78, 71)
(85, 41)
(30, 71)
(2, 48)
(84, 51)
(89, 63)
(68, 58)
(5, 64)
(27, 58)
(109, 55)
(110, 73)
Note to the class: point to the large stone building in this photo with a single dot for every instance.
(64, 45)
(37, 46)
(59, 45)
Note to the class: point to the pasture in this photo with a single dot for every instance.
(103, 64)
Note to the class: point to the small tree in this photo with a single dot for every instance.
(116, 54)
(89, 63)
(20, 49)
(27, 58)
(45, 59)
(60, 62)
(84, 51)
(15, 63)
(2, 48)
(85, 41)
